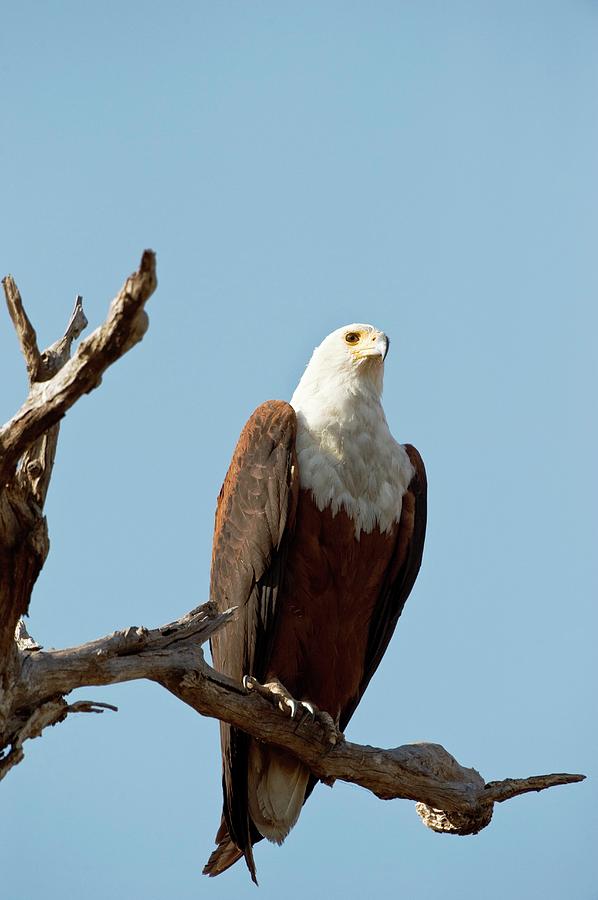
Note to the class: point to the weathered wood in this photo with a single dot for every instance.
(48, 402)
(24, 546)
(452, 798)
(23, 327)
(28, 441)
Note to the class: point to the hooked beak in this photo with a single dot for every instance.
(378, 347)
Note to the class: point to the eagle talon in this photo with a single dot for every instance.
(277, 694)
(288, 703)
(308, 708)
(329, 727)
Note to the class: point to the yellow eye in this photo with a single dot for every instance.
(352, 337)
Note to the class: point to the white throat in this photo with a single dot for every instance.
(347, 456)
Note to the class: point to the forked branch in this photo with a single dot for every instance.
(48, 402)
(28, 441)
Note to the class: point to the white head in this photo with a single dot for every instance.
(347, 456)
(350, 361)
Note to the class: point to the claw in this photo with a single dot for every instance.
(328, 725)
(289, 703)
(276, 693)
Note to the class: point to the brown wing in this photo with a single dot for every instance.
(254, 520)
(400, 577)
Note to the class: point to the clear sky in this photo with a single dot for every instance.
(429, 167)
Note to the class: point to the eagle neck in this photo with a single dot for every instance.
(347, 456)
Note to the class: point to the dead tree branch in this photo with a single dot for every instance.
(23, 327)
(28, 441)
(49, 400)
(452, 798)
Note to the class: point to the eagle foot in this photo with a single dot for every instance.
(277, 694)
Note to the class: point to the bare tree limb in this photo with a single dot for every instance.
(37, 462)
(28, 441)
(56, 356)
(48, 401)
(50, 712)
(499, 791)
(25, 330)
(452, 798)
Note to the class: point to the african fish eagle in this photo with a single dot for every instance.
(318, 540)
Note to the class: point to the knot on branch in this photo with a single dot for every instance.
(122, 643)
(461, 823)
(24, 641)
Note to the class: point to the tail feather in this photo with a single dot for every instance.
(227, 854)
(276, 790)
(277, 787)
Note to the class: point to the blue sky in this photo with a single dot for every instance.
(428, 167)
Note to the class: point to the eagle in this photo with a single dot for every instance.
(318, 540)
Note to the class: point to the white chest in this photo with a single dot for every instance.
(353, 462)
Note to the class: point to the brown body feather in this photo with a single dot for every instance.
(332, 584)
(317, 606)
